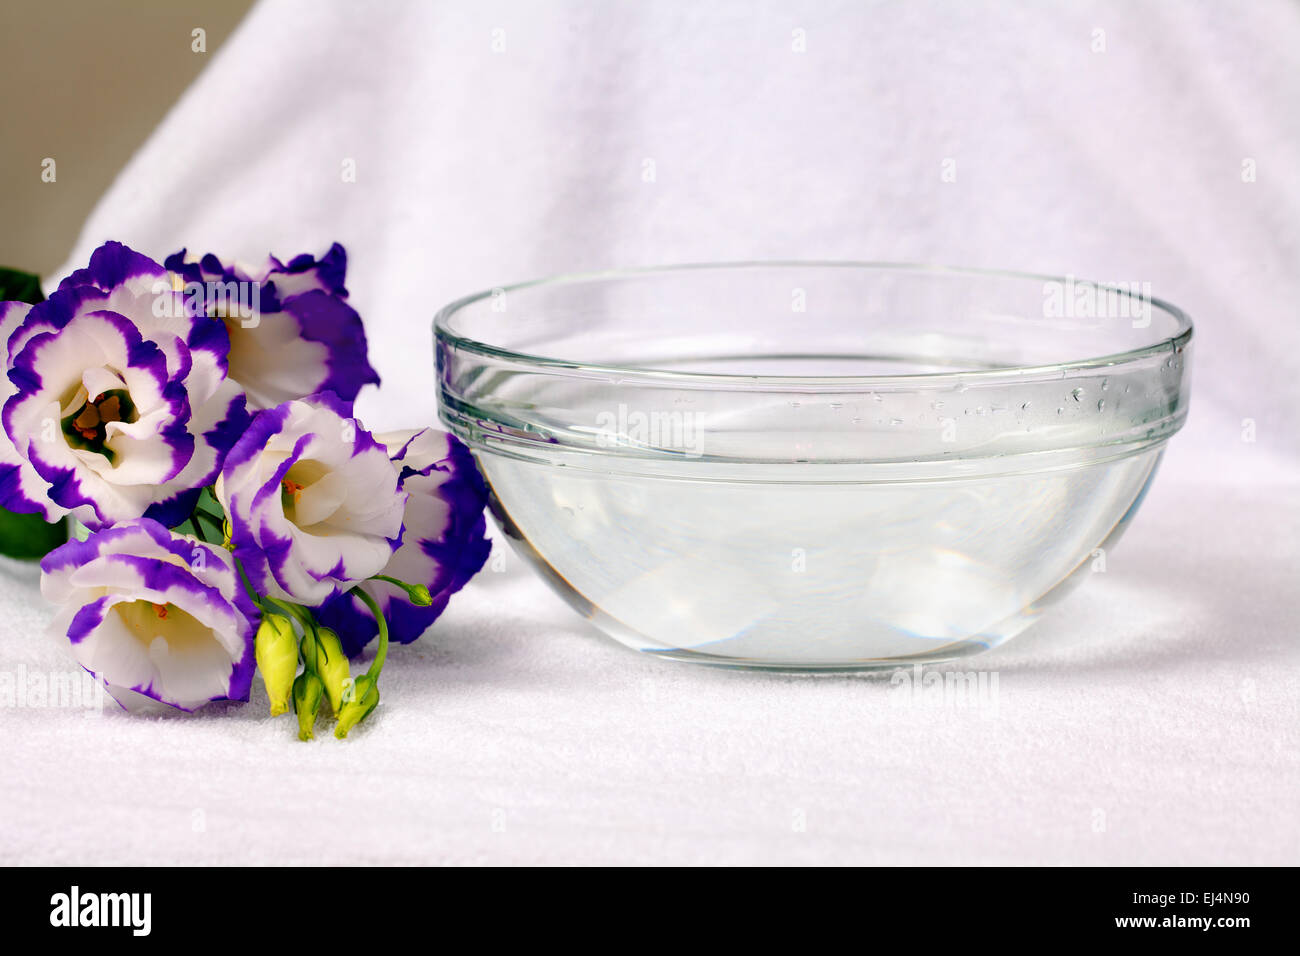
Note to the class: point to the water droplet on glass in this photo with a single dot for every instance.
(1101, 405)
(1077, 394)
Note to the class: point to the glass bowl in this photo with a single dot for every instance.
(813, 466)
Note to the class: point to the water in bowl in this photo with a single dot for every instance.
(797, 567)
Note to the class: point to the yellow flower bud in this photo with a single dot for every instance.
(306, 701)
(332, 665)
(363, 700)
(276, 650)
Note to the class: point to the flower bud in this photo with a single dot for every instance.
(364, 698)
(307, 690)
(332, 665)
(417, 594)
(276, 650)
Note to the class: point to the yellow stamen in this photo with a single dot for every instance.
(110, 409)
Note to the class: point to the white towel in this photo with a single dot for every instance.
(1150, 718)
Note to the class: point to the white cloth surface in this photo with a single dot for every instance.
(1149, 718)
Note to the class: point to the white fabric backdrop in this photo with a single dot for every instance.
(1151, 718)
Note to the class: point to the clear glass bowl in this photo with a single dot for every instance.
(813, 466)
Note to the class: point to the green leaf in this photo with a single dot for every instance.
(18, 286)
(209, 504)
(29, 536)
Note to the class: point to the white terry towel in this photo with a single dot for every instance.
(1150, 719)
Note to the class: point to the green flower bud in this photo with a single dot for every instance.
(307, 691)
(417, 594)
(276, 650)
(362, 701)
(332, 665)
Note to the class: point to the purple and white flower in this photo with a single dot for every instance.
(443, 544)
(159, 618)
(313, 501)
(296, 335)
(116, 402)
(19, 482)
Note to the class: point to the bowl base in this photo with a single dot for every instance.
(951, 652)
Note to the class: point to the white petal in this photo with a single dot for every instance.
(320, 500)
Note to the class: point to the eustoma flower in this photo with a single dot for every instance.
(312, 499)
(116, 402)
(443, 544)
(156, 616)
(292, 332)
(218, 400)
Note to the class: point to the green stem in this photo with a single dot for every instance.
(248, 585)
(381, 654)
(294, 612)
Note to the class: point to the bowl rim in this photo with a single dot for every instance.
(443, 333)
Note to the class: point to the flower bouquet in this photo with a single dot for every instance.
(191, 421)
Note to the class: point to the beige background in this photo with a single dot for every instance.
(84, 82)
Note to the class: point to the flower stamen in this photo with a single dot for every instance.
(88, 423)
